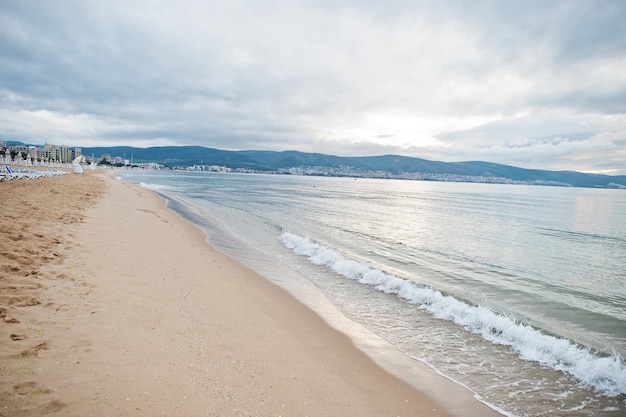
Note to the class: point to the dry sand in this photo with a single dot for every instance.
(112, 305)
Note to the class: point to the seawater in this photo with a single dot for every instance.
(516, 292)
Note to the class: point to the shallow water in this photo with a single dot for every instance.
(517, 292)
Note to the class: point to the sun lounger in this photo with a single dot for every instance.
(22, 174)
(12, 175)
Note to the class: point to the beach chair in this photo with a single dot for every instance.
(21, 174)
(10, 174)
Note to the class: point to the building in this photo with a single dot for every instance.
(22, 152)
(57, 153)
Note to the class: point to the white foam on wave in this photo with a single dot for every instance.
(605, 374)
(155, 187)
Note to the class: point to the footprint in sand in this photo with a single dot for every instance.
(4, 315)
(29, 388)
(32, 352)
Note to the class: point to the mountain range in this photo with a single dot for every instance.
(385, 166)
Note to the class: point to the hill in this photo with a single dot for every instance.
(385, 166)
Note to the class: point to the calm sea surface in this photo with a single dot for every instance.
(516, 292)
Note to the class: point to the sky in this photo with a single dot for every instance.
(535, 84)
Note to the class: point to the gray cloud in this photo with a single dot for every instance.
(532, 83)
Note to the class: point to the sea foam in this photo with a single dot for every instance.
(154, 187)
(605, 374)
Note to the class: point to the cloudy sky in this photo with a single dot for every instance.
(537, 84)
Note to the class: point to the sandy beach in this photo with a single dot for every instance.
(112, 305)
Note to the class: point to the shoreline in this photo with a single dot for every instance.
(413, 372)
(142, 316)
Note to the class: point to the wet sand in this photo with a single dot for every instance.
(113, 305)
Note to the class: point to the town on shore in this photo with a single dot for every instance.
(60, 155)
(49, 155)
(201, 159)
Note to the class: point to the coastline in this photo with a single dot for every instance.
(137, 314)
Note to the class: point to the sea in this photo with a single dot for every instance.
(516, 292)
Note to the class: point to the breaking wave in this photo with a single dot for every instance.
(154, 187)
(606, 374)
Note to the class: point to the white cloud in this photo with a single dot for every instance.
(513, 82)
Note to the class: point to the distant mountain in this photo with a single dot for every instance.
(381, 166)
